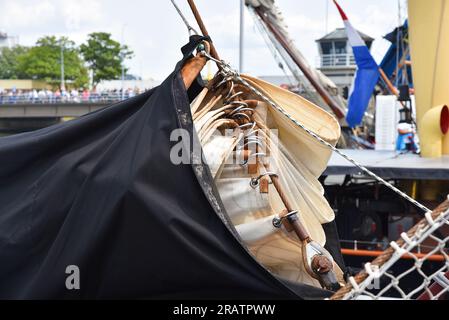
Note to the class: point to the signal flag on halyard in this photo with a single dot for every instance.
(366, 77)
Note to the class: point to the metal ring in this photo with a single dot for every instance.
(247, 143)
(241, 109)
(226, 78)
(255, 182)
(244, 115)
(241, 105)
(236, 95)
(254, 138)
(277, 221)
(252, 131)
(231, 90)
(236, 109)
(252, 125)
(253, 155)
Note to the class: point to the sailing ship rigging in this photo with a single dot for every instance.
(250, 234)
(201, 190)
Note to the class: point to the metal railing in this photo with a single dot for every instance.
(377, 245)
(337, 60)
(109, 97)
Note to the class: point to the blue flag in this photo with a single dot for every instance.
(366, 76)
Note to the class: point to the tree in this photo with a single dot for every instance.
(43, 61)
(9, 62)
(104, 56)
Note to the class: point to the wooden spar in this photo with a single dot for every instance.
(318, 87)
(296, 225)
(193, 67)
(203, 29)
(387, 81)
(390, 85)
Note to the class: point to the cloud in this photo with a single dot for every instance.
(25, 14)
(78, 13)
(33, 19)
(155, 32)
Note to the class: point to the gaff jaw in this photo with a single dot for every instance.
(317, 260)
(320, 265)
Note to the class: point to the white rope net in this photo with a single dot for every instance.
(416, 267)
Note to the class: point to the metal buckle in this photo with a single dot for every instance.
(254, 183)
(277, 221)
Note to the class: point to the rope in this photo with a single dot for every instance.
(190, 29)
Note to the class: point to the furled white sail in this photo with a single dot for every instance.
(241, 123)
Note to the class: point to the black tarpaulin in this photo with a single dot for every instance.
(101, 193)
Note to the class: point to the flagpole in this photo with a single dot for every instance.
(242, 36)
(327, 16)
(369, 64)
(336, 109)
(389, 84)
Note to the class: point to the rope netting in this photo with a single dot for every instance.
(416, 267)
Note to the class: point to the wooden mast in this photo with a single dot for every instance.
(337, 110)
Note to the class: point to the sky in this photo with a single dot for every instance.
(155, 32)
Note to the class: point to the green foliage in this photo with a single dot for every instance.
(104, 56)
(9, 62)
(101, 53)
(43, 61)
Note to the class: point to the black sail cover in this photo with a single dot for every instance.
(101, 193)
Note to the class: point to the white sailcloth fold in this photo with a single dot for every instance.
(296, 158)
